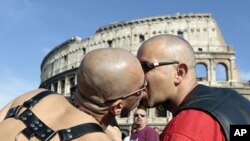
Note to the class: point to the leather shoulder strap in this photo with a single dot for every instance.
(13, 112)
(79, 130)
(35, 127)
(34, 100)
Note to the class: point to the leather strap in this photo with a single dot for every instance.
(13, 112)
(35, 127)
(79, 130)
(34, 100)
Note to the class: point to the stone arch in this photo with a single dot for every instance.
(141, 38)
(221, 72)
(201, 71)
(180, 33)
(160, 111)
(125, 114)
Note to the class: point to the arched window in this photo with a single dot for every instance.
(221, 72)
(201, 71)
(180, 34)
(63, 86)
(124, 114)
(55, 86)
(110, 43)
(161, 111)
(71, 81)
(84, 51)
(65, 58)
(141, 38)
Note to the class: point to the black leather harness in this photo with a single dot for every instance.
(36, 128)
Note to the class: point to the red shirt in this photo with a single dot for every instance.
(193, 125)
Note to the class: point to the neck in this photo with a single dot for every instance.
(183, 91)
(140, 127)
(100, 115)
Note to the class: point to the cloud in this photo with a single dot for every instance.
(12, 86)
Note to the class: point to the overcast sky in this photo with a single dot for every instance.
(29, 29)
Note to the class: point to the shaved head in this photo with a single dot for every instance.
(172, 48)
(108, 73)
(166, 82)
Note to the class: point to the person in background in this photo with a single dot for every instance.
(109, 81)
(199, 112)
(142, 131)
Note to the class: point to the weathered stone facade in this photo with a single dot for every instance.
(58, 69)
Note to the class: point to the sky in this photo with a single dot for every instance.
(29, 29)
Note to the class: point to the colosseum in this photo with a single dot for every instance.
(213, 54)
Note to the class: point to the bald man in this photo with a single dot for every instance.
(109, 81)
(199, 112)
(142, 132)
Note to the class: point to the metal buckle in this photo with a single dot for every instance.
(17, 111)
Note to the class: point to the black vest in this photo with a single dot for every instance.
(227, 106)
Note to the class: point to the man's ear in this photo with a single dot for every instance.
(116, 107)
(181, 73)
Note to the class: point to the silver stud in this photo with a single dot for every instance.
(70, 136)
(23, 118)
(29, 113)
(36, 122)
(32, 125)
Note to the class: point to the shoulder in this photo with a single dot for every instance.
(26, 96)
(19, 100)
(149, 129)
(191, 119)
(113, 132)
(193, 124)
(95, 136)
